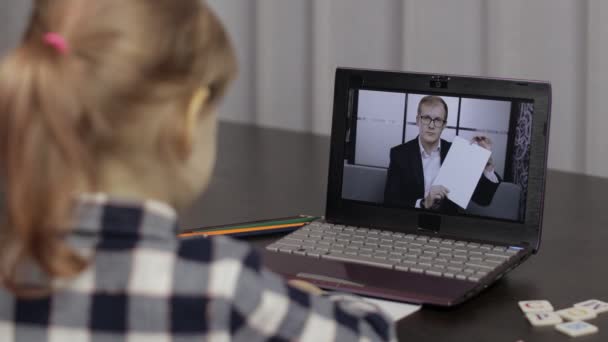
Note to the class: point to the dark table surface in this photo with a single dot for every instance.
(266, 173)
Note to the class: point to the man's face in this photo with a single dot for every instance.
(431, 133)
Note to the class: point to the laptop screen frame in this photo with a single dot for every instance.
(408, 220)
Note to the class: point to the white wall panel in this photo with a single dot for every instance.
(485, 114)
(379, 126)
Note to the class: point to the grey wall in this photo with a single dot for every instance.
(288, 50)
(561, 41)
(13, 14)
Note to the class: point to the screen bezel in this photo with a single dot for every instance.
(408, 220)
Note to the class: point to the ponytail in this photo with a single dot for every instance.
(41, 162)
(142, 61)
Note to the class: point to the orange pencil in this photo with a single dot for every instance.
(241, 230)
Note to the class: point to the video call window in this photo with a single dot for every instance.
(383, 120)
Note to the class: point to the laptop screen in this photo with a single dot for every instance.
(401, 152)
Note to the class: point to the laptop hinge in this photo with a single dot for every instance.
(429, 223)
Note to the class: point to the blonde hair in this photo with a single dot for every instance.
(128, 62)
(431, 100)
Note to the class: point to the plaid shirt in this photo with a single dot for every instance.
(143, 284)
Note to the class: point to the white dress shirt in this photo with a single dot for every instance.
(431, 163)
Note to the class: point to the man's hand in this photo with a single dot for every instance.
(435, 196)
(486, 143)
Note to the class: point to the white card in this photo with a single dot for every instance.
(535, 306)
(461, 170)
(541, 319)
(575, 329)
(596, 305)
(577, 314)
(395, 310)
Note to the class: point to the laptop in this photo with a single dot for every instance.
(389, 231)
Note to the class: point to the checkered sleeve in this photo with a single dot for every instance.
(264, 307)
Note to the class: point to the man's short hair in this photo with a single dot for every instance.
(431, 100)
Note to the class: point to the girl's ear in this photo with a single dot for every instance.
(190, 121)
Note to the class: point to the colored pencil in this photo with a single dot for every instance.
(252, 228)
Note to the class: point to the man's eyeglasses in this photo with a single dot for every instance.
(426, 120)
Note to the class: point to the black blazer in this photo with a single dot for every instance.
(405, 179)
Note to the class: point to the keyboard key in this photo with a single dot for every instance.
(409, 262)
(313, 254)
(287, 249)
(454, 268)
(434, 272)
(474, 278)
(480, 265)
(416, 269)
(273, 247)
(495, 255)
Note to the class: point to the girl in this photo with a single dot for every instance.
(106, 125)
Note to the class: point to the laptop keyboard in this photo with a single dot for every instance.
(404, 252)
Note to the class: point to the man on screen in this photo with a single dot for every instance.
(415, 165)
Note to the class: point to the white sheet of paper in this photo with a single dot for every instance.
(395, 310)
(462, 169)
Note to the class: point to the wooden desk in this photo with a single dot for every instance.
(264, 173)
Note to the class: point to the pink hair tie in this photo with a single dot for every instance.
(56, 41)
